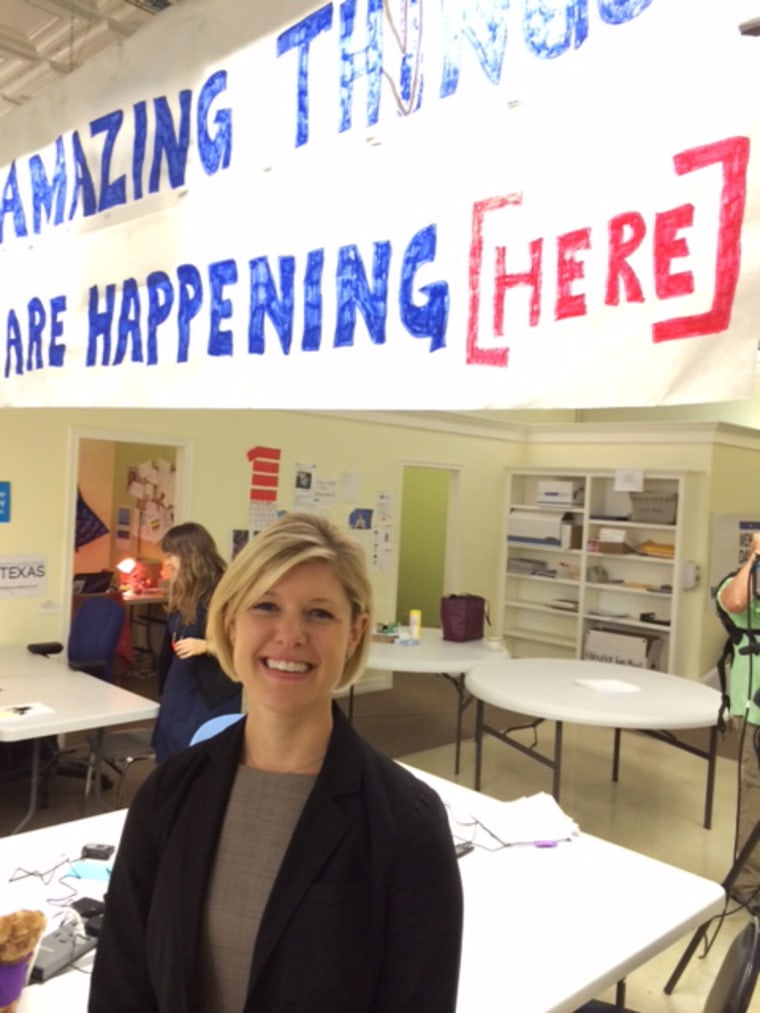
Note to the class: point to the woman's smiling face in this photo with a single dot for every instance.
(290, 643)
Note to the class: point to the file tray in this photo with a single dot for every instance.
(535, 527)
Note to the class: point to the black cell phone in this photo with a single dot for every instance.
(463, 848)
(99, 851)
(87, 907)
(93, 925)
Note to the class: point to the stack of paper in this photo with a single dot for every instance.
(534, 819)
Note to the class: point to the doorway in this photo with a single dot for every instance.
(99, 463)
(427, 540)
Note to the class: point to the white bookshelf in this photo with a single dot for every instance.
(553, 596)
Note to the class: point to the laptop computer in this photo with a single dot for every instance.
(92, 583)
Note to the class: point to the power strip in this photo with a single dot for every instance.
(59, 949)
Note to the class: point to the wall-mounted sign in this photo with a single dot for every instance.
(22, 576)
(5, 502)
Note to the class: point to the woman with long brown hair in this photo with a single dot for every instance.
(192, 685)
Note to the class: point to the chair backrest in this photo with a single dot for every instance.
(734, 986)
(214, 725)
(94, 634)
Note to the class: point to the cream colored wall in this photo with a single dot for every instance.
(96, 475)
(38, 445)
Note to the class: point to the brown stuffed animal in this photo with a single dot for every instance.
(20, 932)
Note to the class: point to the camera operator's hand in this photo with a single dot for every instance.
(735, 595)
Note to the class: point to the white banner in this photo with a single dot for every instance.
(357, 206)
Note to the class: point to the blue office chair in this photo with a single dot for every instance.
(91, 647)
(214, 725)
(94, 636)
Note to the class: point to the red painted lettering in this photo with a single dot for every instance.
(733, 153)
(620, 249)
(569, 268)
(668, 245)
(475, 354)
(504, 281)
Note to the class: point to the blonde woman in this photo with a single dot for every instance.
(284, 864)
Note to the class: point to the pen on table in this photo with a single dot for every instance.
(533, 844)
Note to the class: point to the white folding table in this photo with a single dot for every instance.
(432, 655)
(594, 693)
(76, 702)
(545, 929)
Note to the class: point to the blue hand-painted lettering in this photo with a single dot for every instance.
(37, 323)
(91, 180)
(312, 301)
(431, 319)
(12, 204)
(484, 26)
(550, 31)
(220, 275)
(363, 62)
(137, 323)
(300, 37)
(265, 303)
(44, 192)
(129, 324)
(173, 145)
(354, 291)
(100, 323)
(112, 192)
(617, 12)
(190, 302)
(160, 302)
(82, 181)
(216, 150)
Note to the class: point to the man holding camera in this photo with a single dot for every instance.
(737, 598)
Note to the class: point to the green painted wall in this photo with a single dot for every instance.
(422, 547)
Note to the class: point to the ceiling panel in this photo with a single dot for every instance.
(41, 41)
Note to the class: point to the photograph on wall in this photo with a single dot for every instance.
(239, 540)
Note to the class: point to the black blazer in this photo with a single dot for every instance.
(365, 913)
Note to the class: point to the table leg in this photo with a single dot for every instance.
(461, 691)
(34, 789)
(616, 755)
(710, 789)
(557, 760)
(478, 742)
(98, 766)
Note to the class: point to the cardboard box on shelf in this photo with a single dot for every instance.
(617, 548)
(571, 535)
(640, 650)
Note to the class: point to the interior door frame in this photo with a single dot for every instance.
(183, 466)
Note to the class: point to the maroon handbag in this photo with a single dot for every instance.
(462, 616)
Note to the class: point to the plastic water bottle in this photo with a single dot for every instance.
(415, 624)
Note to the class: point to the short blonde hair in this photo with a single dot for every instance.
(294, 539)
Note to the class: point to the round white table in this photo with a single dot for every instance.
(594, 693)
(433, 655)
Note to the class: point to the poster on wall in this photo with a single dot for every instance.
(151, 486)
(458, 204)
(23, 576)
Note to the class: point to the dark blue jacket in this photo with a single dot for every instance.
(365, 913)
